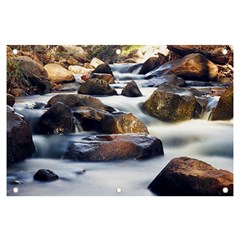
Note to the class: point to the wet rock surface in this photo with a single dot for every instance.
(115, 147)
(96, 86)
(10, 100)
(56, 120)
(170, 103)
(224, 108)
(45, 175)
(131, 90)
(19, 138)
(186, 176)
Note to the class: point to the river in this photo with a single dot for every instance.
(209, 141)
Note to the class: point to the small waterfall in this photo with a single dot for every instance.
(212, 103)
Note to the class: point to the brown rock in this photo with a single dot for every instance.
(191, 67)
(33, 73)
(171, 103)
(212, 52)
(104, 76)
(72, 61)
(115, 147)
(224, 109)
(152, 63)
(185, 176)
(58, 119)
(122, 123)
(17, 92)
(58, 74)
(131, 90)
(78, 100)
(96, 86)
(103, 68)
(19, 138)
(10, 100)
(96, 62)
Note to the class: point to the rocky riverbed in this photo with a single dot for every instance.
(79, 126)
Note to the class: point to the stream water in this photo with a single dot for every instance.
(209, 141)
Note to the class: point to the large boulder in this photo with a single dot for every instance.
(152, 63)
(78, 100)
(131, 90)
(29, 74)
(186, 176)
(115, 147)
(57, 119)
(224, 108)
(171, 103)
(103, 68)
(96, 86)
(96, 62)
(122, 123)
(58, 74)
(214, 53)
(19, 138)
(75, 51)
(191, 67)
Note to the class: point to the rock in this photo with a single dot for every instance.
(131, 90)
(33, 73)
(115, 147)
(104, 76)
(186, 176)
(212, 52)
(19, 138)
(58, 74)
(45, 175)
(90, 118)
(79, 70)
(191, 67)
(17, 92)
(224, 109)
(96, 87)
(168, 78)
(10, 100)
(152, 63)
(122, 123)
(103, 68)
(72, 61)
(171, 103)
(75, 51)
(78, 100)
(58, 119)
(96, 62)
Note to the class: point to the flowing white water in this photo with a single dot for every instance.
(209, 141)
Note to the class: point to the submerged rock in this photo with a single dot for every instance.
(191, 67)
(58, 74)
(96, 86)
(115, 147)
(78, 100)
(58, 119)
(171, 103)
(186, 176)
(19, 138)
(131, 90)
(45, 175)
(224, 109)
